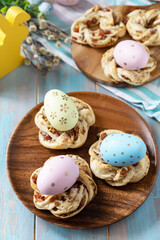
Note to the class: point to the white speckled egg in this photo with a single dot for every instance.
(131, 55)
(60, 110)
(57, 175)
(122, 149)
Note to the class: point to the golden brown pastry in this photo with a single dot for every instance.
(118, 74)
(98, 27)
(52, 138)
(116, 175)
(144, 26)
(71, 201)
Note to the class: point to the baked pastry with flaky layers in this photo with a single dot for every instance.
(144, 26)
(72, 201)
(98, 27)
(51, 138)
(113, 175)
(117, 74)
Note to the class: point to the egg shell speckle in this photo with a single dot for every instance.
(57, 175)
(122, 149)
(60, 110)
(131, 55)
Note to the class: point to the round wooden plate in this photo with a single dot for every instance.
(88, 59)
(25, 154)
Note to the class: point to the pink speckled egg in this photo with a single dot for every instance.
(131, 55)
(57, 175)
(67, 2)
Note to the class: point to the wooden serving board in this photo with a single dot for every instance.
(25, 154)
(88, 59)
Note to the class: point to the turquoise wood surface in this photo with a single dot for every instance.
(17, 96)
(19, 92)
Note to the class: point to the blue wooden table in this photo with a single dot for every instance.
(21, 90)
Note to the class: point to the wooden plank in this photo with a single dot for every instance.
(68, 80)
(144, 222)
(48, 231)
(17, 96)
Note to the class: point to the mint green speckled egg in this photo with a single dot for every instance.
(60, 110)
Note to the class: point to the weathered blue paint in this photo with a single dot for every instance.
(46, 230)
(66, 79)
(17, 96)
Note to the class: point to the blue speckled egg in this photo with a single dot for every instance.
(122, 149)
(46, 8)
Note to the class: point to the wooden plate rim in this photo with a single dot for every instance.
(74, 94)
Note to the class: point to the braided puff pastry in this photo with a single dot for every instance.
(51, 138)
(98, 27)
(117, 74)
(72, 201)
(116, 176)
(144, 26)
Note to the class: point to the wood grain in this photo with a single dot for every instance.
(88, 59)
(66, 79)
(17, 96)
(25, 154)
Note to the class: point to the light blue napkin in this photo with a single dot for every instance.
(146, 97)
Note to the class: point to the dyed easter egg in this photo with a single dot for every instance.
(122, 149)
(67, 2)
(60, 110)
(131, 55)
(46, 8)
(57, 175)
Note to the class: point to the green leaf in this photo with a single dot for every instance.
(24, 4)
(40, 14)
(3, 10)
